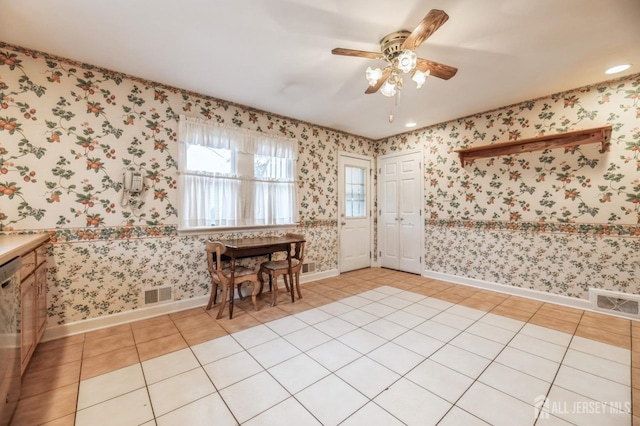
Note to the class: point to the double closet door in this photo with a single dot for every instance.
(400, 205)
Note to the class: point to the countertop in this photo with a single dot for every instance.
(16, 245)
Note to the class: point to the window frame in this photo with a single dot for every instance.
(242, 143)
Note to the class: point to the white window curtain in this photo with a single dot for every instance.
(249, 180)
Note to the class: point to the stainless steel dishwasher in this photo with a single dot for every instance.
(10, 339)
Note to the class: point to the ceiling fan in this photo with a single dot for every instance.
(398, 50)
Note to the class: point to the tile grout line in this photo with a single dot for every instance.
(144, 377)
(555, 376)
(75, 413)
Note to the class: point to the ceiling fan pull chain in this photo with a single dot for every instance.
(396, 102)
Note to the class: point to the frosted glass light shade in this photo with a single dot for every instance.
(420, 77)
(388, 89)
(373, 75)
(407, 61)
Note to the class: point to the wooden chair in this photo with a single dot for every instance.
(281, 267)
(221, 276)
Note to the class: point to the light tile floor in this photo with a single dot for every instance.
(370, 347)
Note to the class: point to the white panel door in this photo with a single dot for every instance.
(389, 216)
(400, 212)
(410, 209)
(354, 208)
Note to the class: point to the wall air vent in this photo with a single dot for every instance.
(308, 267)
(614, 302)
(157, 295)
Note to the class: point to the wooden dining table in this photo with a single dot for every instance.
(253, 247)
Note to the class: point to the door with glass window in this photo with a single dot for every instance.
(354, 211)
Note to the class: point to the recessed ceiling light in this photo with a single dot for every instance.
(617, 69)
(410, 124)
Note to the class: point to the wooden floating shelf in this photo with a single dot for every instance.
(600, 135)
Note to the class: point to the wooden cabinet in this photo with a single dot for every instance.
(33, 290)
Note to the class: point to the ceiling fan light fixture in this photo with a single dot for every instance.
(420, 77)
(398, 50)
(407, 60)
(373, 75)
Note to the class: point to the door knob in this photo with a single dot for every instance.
(343, 223)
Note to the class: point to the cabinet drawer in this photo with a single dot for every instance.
(28, 264)
(41, 253)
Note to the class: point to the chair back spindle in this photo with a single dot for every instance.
(221, 276)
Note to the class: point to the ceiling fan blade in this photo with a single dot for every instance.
(358, 53)
(373, 89)
(429, 24)
(436, 69)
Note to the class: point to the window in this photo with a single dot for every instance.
(355, 191)
(234, 178)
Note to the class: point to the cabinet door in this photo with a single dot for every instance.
(27, 328)
(41, 302)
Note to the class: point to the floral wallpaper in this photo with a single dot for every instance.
(559, 220)
(67, 130)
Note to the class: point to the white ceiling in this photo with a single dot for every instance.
(275, 55)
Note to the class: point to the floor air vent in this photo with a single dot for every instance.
(308, 267)
(157, 295)
(615, 302)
